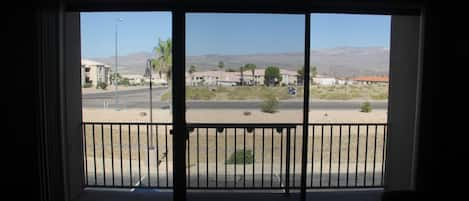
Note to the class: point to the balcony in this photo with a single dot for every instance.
(262, 157)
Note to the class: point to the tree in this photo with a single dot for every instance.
(192, 69)
(221, 65)
(272, 76)
(314, 72)
(301, 74)
(252, 68)
(241, 70)
(115, 78)
(162, 63)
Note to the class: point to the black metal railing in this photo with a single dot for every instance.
(240, 156)
(235, 156)
(127, 155)
(346, 155)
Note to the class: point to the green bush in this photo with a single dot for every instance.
(87, 85)
(101, 85)
(124, 81)
(365, 107)
(270, 104)
(241, 157)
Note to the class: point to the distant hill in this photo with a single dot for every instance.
(340, 61)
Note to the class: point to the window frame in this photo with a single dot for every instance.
(323, 6)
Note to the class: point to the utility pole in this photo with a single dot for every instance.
(151, 105)
(116, 64)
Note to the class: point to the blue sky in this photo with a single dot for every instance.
(230, 33)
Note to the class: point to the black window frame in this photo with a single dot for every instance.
(179, 11)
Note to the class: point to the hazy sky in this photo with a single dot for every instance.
(217, 33)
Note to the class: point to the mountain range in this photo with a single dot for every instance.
(339, 61)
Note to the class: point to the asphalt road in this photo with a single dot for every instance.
(139, 98)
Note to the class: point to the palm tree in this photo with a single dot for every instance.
(251, 67)
(300, 75)
(162, 63)
(241, 69)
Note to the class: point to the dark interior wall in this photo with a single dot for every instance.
(32, 143)
(20, 142)
(430, 93)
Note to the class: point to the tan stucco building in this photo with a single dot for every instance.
(93, 72)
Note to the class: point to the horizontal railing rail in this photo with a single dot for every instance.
(235, 156)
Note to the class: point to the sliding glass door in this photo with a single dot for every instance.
(244, 99)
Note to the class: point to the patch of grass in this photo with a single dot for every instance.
(379, 96)
(339, 92)
(342, 92)
(241, 93)
(336, 96)
(241, 157)
(165, 96)
(199, 93)
(195, 93)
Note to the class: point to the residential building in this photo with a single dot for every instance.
(134, 79)
(344, 81)
(371, 79)
(324, 80)
(223, 78)
(203, 78)
(93, 72)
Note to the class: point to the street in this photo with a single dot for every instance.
(139, 98)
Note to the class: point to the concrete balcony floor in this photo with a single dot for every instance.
(92, 194)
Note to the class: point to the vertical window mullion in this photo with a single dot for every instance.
(306, 78)
(178, 101)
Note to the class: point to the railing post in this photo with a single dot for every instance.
(287, 162)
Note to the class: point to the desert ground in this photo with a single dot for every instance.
(235, 116)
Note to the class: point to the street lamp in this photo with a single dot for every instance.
(116, 63)
(149, 71)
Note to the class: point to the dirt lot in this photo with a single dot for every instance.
(236, 116)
